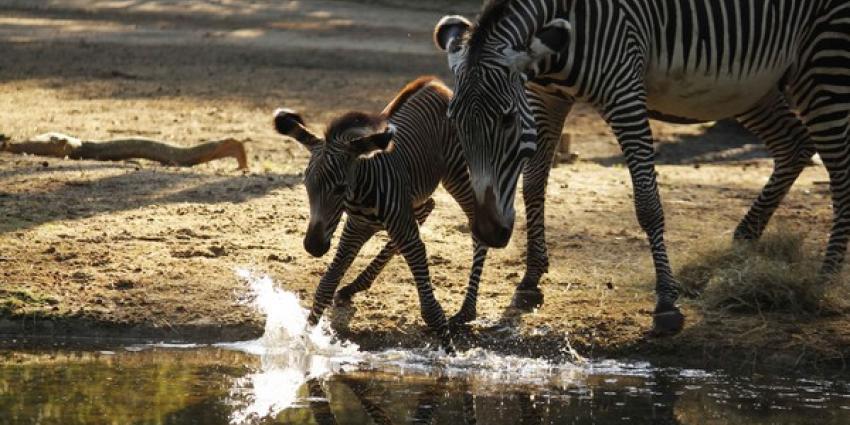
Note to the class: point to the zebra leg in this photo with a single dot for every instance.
(550, 110)
(457, 184)
(628, 117)
(788, 142)
(354, 235)
(468, 311)
(827, 116)
(365, 279)
(320, 405)
(361, 390)
(405, 235)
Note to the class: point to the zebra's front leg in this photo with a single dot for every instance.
(405, 234)
(788, 142)
(367, 277)
(629, 120)
(550, 110)
(468, 311)
(354, 235)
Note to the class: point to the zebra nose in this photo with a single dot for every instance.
(489, 225)
(314, 242)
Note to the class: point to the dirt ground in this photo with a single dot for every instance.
(138, 250)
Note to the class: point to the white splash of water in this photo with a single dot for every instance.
(290, 353)
(286, 329)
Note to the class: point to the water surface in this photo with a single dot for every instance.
(220, 386)
(299, 376)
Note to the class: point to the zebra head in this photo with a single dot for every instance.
(491, 113)
(351, 137)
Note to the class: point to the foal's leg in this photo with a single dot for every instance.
(405, 235)
(354, 235)
(364, 281)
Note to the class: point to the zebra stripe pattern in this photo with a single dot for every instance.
(382, 171)
(781, 67)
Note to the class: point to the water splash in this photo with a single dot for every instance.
(286, 329)
(290, 353)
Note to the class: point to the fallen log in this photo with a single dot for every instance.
(61, 145)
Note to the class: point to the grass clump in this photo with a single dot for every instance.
(12, 301)
(776, 273)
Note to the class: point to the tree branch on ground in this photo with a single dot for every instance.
(61, 145)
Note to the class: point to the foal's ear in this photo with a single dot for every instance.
(368, 146)
(449, 30)
(288, 123)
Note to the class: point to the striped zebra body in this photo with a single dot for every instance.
(382, 171)
(781, 67)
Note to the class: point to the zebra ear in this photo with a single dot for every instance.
(449, 30)
(552, 39)
(288, 123)
(366, 147)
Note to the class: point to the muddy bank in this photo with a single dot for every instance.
(134, 249)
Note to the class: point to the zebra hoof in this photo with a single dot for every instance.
(527, 299)
(342, 300)
(745, 233)
(667, 323)
(461, 319)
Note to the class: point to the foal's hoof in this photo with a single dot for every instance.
(527, 299)
(667, 323)
(461, 319)
(341, 300)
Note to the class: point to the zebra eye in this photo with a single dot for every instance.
(339, 189)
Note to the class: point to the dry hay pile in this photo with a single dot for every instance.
(775, 274)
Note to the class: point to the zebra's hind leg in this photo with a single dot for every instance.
(405, 235)
(628, 117)
(367, 277)
(550, 109)
(788, 142)
(468, 311)
(822, 97)
(828, 118)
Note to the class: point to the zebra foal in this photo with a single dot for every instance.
(381, 170)
(781, 67)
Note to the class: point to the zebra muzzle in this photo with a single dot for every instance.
(490, 226)
(315, 242)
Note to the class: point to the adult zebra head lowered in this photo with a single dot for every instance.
(491, 112)
(348, 137)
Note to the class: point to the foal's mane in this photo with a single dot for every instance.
(412, 89)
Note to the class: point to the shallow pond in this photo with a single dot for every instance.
(291, 376)
(222, 386)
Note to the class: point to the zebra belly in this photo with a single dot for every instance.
(699, 97)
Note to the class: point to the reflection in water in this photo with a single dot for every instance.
(217, 386)
(299, 377)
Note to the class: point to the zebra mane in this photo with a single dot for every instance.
(412, 89)
(492, 13)
(354, 124)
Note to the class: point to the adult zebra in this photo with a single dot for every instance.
(520, 67)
